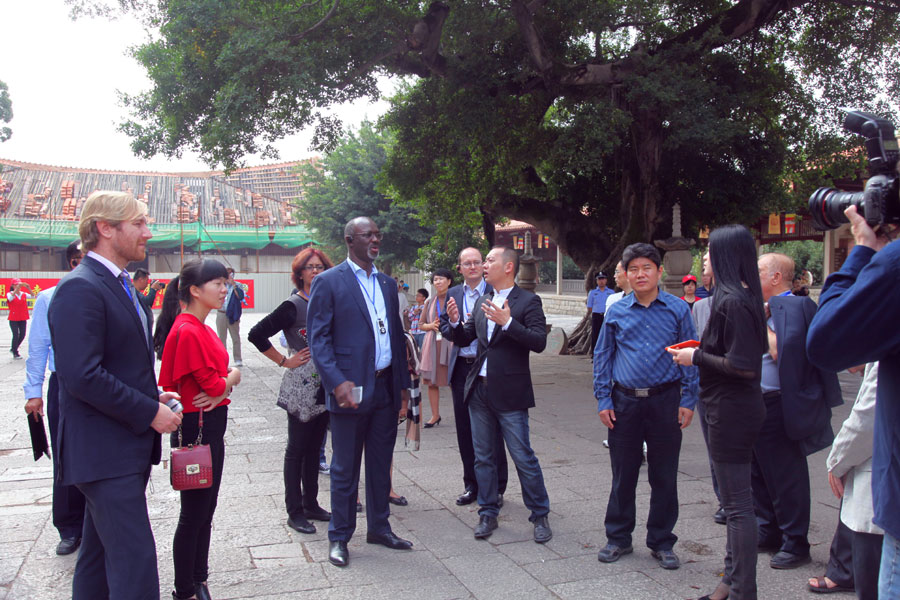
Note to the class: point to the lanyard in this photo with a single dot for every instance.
(437, 301)
(381, 327)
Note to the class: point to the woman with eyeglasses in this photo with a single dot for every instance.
(300, 393)
(435, 349)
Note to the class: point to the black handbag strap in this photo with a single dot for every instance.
(199, 439)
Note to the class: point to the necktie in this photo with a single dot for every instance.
(132, 293)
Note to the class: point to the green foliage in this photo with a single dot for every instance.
(587, 119)
(6, 112)
(346, 186)
(807, 254)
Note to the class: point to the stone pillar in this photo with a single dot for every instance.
(677, 260)
(528, 266)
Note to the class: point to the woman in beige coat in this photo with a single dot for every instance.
(435, 349)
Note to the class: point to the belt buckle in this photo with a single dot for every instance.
(642, 393)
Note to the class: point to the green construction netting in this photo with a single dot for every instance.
(60, 233)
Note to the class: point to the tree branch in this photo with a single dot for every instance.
(886, 5)
(524, 17)
(300, 36)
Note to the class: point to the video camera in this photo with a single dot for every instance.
(879, 202)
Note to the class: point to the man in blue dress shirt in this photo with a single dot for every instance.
(856, 323)
(68, 502)
(642, 396)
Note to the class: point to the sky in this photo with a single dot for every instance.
(63, 76)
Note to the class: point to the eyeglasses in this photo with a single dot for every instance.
(645, 269)
(371, 235)
(471, 264)
(314, 268)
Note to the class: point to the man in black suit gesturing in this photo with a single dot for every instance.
(508, 324)
(465, 296)
(111, 412)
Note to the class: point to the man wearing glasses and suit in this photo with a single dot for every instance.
(509, 324)
(357, 344)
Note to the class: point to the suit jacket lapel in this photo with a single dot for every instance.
(352, 283)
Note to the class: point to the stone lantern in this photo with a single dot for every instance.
(677, 260)
(528, 266)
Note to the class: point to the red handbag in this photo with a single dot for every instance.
(191, 465)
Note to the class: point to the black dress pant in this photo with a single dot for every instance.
(18, 335)
(68, 501)
(840, 557)
(190, 549)
(301, 463)
(464, 432)
(866, 564)
(780, 479)
(654, 420)
(596, 324)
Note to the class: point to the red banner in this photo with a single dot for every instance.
(39, 285)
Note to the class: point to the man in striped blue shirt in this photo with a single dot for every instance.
(643, 396)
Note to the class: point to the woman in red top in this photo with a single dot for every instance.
(17, 301)
(195, 364)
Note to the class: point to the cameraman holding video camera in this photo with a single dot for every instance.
(856, 309)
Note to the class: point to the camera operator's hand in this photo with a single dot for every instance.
(862, 233)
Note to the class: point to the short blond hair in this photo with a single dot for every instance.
(112, 207)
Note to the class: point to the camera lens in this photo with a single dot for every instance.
(827, 206)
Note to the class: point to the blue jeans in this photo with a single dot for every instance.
(514, 428)
(889, 575)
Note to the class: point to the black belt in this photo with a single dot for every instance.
(482, 379)
(470, 360)
(771, 395)
(646, 392)
(383, 372)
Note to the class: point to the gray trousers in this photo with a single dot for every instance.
(224, 328)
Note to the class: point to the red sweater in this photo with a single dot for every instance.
(197, 362)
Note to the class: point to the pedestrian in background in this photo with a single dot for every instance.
(17, 303)
(228, 317)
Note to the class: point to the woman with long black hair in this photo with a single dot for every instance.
(195, 364)
(730, 364)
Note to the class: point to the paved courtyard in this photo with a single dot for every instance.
(256, 555)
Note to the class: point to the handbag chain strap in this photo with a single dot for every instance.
(200, 431)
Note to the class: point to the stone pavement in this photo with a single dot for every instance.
(255, 555)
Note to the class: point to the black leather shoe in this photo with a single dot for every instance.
(390, 540)
(486, 526)
(68, 545)
(786, 560)
(317, 514)
(667, 559)
(720, 517)
(299, 523)
(398, 500)
(359, 507)
(542, 531)
(499, 500)
(338, 555)
(467, 497)
(611, 553)
(201, 592)
(430, 425)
